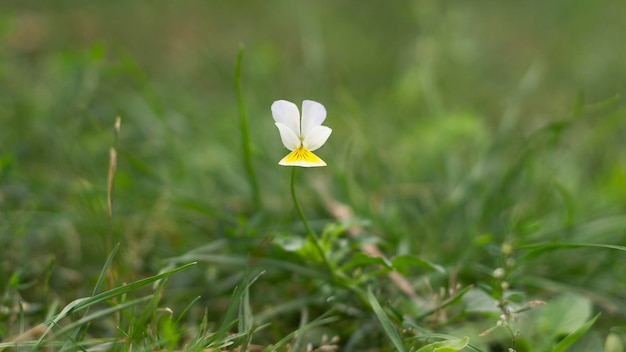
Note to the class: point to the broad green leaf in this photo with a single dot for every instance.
(564, 315)
(446, 346)
(613, 343)
(478, 301)
(289, 242)
(360, 259)
(446, 337)
(403, 262)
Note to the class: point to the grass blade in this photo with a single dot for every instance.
(105, 268)
(573, 337)
(245, 134)
(536, 249)
(234, 307)
(85, 302)
(301, 330)
(388, 326)
(99, 314)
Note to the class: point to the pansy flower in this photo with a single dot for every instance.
(301, 135)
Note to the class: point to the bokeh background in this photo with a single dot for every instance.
(457, 126)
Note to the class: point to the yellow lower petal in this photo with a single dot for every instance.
(302, 157)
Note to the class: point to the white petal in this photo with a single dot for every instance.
(302, 163)
(287, 113)
(290, 140)
(313, 114)
(316, 138)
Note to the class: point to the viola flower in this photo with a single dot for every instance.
(301, 135)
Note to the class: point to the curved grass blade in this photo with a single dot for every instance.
(101, 313)
(85, 302)
(536, 249)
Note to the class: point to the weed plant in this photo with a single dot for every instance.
(474, 198)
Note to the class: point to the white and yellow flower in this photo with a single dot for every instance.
(301, 135)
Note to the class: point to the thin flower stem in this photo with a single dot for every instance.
(309, 230)
(337, 276)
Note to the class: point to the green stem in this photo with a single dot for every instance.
(316, 241)
(337, 276)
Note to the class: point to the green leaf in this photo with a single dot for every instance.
(403, 262)
(360, 259)
(564, 315)
(468, 346)
(478, 301)
(613, 343)
(289, 242)
(573, 337)
(388, 326)
(446, 346)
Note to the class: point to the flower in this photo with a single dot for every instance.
(301, 135)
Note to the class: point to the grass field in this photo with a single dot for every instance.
(474, 198)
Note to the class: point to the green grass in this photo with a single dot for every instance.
(479, 147)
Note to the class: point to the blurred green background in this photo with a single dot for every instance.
(457, 126)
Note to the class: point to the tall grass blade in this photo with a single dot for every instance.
(234, 306)
(386, 323)
(245, 134)
(101, 278)
(105, 269)
(245, 319)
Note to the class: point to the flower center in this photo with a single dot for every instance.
(301, 154)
